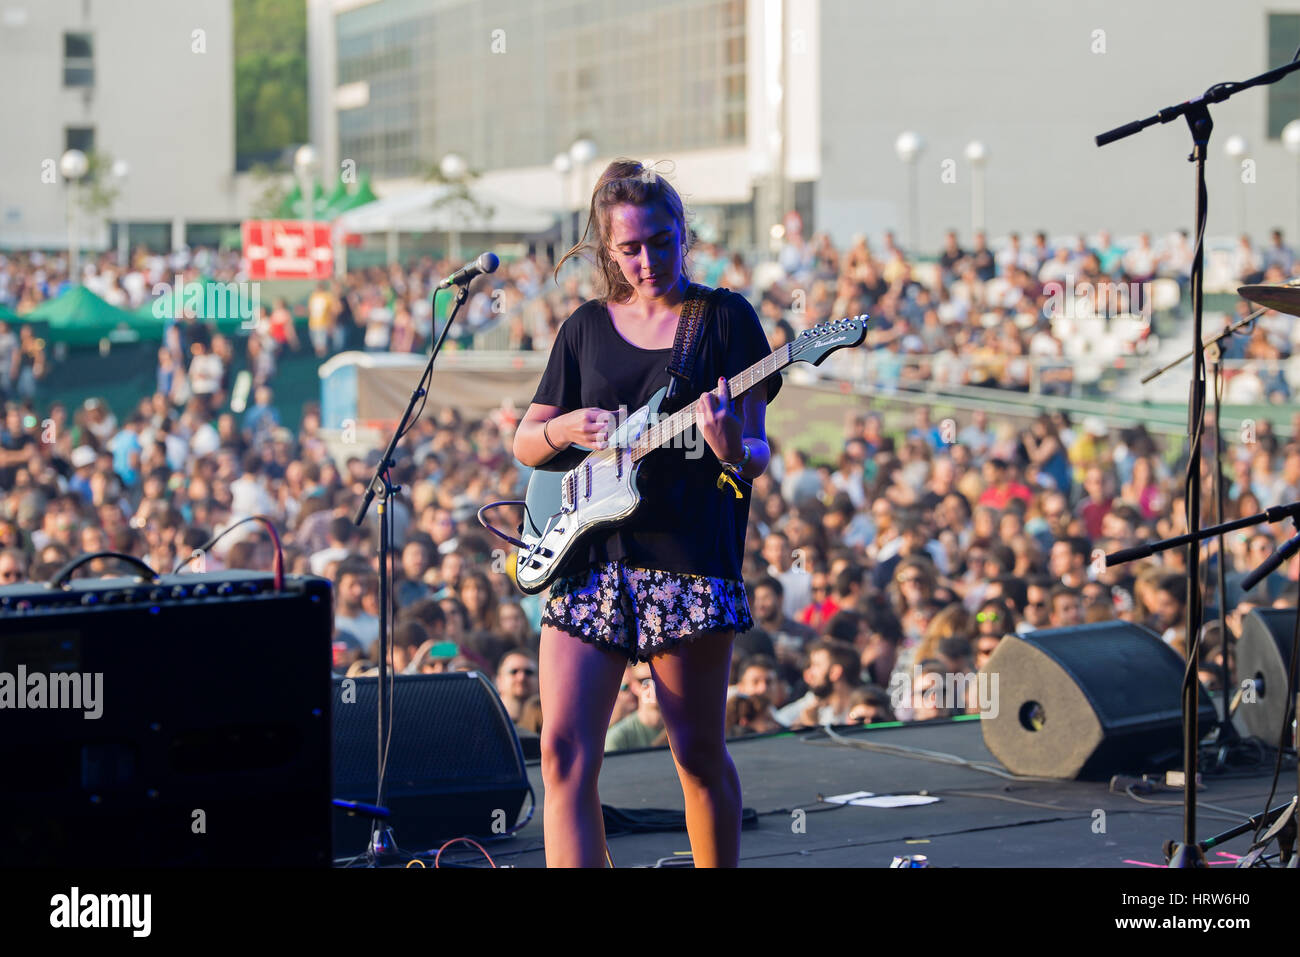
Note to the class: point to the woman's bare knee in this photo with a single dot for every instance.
(567, 761)
(701, 759)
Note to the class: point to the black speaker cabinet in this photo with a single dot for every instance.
(177, 723)
(1263, 654)
(1088, 702)
(455, 767)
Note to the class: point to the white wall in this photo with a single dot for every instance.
(156, 103)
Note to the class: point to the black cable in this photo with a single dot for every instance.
(275, 538)
(61, 576)
(1194, 456)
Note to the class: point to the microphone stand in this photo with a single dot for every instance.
(381, 486)
(1213, 350)
(1193, 852)
(1197, 114)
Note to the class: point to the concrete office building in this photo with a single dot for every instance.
(714, 85)
(147, 82)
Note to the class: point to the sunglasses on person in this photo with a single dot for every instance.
(988, 616)
(522, 671)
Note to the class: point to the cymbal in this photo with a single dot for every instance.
(1283, 298)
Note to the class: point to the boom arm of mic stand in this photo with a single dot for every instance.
(1217, 337)
(1275, 514)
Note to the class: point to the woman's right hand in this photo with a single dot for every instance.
(586, 427)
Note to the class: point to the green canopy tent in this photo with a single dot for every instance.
(296, 210)
(291, 200)
(8, 315)
(337, 197)
(228, 305)
(325, 208)
(80, 318)
(363, 195)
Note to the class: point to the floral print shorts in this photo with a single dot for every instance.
(642, 612)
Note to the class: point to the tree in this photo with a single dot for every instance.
(270, 75)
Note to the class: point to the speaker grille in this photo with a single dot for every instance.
(450, 729)
(1127, 672)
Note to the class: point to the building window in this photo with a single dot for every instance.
(79, 138)
(78, 59)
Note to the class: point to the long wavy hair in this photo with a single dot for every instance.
(623, 181)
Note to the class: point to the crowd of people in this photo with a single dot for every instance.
(903, 558)
(987, 317)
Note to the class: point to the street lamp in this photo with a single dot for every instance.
(977, 155)
(908, 146)
(563, 166)
(304, 167)
(1291, 140)
(453, 168)
(582, 152)
(121, 170)
(1236, 147)
(73, 165)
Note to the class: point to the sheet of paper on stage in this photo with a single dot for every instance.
(848, 798)
(870, 799)
(896, 800)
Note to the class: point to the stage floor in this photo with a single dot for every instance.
(980, 820)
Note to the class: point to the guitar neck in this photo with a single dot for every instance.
(667, 429)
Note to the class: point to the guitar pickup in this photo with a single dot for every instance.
(618, 459)
(586, 468)
(569, 490)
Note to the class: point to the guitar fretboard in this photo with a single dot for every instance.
(666, 429)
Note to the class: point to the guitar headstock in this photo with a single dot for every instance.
(815, 344)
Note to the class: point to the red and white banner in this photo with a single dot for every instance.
(288, 249)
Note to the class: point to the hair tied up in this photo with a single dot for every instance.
(632, 182)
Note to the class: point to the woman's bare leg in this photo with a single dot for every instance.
(691, 685)
(578, 685)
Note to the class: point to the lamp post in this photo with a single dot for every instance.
(908, 146)
(977, 155)
(1291, 140)
(453, 168)
(1236, 147)
(121, 170)
(73, 165)
(305, 159)
(582, 152)
(304, 167)
(563, 166)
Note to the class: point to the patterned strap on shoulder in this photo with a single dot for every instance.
(686, 343)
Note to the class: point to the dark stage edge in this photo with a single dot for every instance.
(981, 826)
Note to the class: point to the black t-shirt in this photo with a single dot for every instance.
(685, 523)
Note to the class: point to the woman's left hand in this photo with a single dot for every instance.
(719, 424)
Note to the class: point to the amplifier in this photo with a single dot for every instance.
(184, 722)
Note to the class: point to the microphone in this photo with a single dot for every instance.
(1270, 564)
(485, 264)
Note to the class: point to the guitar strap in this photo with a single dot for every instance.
(696, 312)
(698, 308)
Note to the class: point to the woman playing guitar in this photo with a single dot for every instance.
(665, 587)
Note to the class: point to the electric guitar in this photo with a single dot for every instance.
(562, 508)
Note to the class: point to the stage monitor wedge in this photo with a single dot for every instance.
(1088, 702)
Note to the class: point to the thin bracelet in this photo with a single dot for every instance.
(547, 436)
